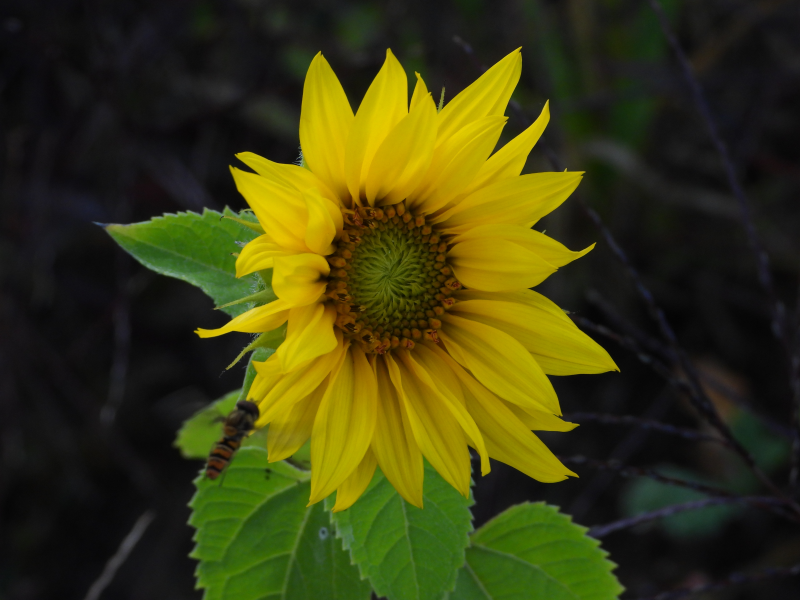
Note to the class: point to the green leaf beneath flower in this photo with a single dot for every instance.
(194, 248)
(256, 539)
(406, 552)
(534, 551)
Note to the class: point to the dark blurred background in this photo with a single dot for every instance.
(121, 111)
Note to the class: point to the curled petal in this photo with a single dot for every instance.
(310, 334)
(257, 255)
(300, 278)
(256, 320)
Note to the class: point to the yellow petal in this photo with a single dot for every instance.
(344, 425)
(394, 445)
(291, 428)
(257, 255)
(487, 96)
(510, 159)
(438, 435)
(321, 227)
(496, 265)
(508, 438)
(310, 334)
(420, 93)
(538, 420)
(294, 176)
(280, 209)
(541, 327)
(288, 175)
(404, 156)
(546, 247)
(300, 278)
(515, 201)
(275, 391)
(256, 320)
(352, 487)
(455, 164)
(384, 104)
(435, 374)
(499, 362)
(325, 121)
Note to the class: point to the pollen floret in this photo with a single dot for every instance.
(389, 279)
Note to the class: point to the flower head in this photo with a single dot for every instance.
(402, 257)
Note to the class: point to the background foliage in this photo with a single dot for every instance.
(116, 112)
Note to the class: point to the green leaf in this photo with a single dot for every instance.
(256, 539)
(202, 429)
(406, 552)
(194, 248)
(534, 551)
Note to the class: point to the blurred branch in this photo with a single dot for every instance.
(623, 452)
(729, 581)
(120, 556)
(687, 434)
(776, 505)
(781, 327)
(630, 343)
(661, 188)
(599, 531)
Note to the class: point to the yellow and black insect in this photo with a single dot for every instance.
(237, 424)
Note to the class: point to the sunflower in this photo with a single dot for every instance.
(401, 256)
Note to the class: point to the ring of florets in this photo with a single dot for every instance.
(389, 278)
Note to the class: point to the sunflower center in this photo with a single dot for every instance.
(389, 278)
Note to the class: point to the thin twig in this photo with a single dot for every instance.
(780, 323)
(599, 531)
(775, 506)
(687, 434)
(120, 556)
(729, 581)
(624, 450)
